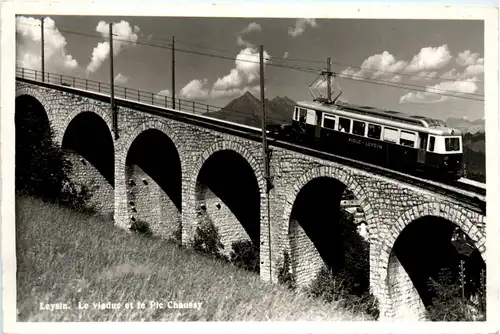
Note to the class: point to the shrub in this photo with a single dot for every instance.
(339, 287)
(141, 227)
(177, 235)
(207, 240)
(448, 303)
(285, 276)
(245, 255)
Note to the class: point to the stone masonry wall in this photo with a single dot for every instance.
(388, 205)
(306, 261)
(84, 173)
(149, 203)
(221, 216)
(407, 304)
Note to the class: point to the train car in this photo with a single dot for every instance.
(391, 139)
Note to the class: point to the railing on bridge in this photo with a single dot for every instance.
(128, 93)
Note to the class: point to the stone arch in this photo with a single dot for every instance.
(332, 172)
(307, 263)
(441, 210)
(127, 140)
(413, 306)
(78, 109)
(40, 97)
(191, 214)
(220, 146)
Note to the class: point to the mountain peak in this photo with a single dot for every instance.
(248, 94)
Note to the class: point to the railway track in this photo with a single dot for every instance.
(472, 194)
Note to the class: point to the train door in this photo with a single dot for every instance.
(311, 117)
(319, 115)
(422, 148)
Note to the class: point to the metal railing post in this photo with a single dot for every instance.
(152, 98)
(74, 85)
(60, 78)
(138, 96)
(193, 108)
(86, 84)
(99, 86)
(125, 92)
(166, 104)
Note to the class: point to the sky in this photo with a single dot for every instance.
(374, 59)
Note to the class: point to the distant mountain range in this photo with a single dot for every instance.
(465, 125)
(246, 109)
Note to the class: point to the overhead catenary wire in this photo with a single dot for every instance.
(388, 83)
(287, 59)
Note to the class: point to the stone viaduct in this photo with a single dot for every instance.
(172, 174)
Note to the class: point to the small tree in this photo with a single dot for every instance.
(245, 255)
(207, 240)
(285, 275)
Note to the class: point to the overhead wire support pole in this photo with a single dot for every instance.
(173, 72)
(42, 43)
(265, 154)
(112, 82)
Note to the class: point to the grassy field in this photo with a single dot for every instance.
(72, 258)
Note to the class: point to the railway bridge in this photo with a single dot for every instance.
(174, 168)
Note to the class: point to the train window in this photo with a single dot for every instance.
(302, 115)
(391, 135)
(408, 139)
(344, 124)
(358, 128)
(329, 122)
(432, 141)
(423, 141)
(452, 144)
(374, 131)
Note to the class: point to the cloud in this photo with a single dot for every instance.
(430, 58)
(425, 75)
(467, 58)
(378, 66)
(470, 72)
(452, 74)
(243, 77)
(124, 35)
(300, 26)
(195, 90)
(121, 79)
(165, 92)
(246, 71)
(28, 33)
(251, 27)
(426, 63)
(248, 29)
(241, 42)
(433, 93)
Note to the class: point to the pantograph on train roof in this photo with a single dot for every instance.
(333, 103)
